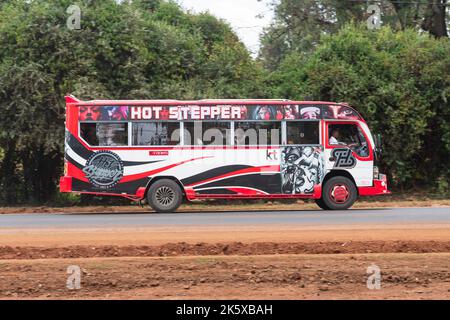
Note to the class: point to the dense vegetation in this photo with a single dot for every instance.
(397, 76)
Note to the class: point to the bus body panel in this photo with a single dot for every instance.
(287, 171)
(362, 171)
(246, 171)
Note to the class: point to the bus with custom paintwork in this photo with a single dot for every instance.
(164, 151)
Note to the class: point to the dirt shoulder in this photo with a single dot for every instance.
(227, 262)
(331, 276)
(306, 263)
(224, 249)
(155, 236)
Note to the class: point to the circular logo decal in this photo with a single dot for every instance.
(104, 169)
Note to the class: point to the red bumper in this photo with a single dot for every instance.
(379, 187)
(65, 184)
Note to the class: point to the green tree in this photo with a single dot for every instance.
(124, 50)
(299, 25)
(396, 80)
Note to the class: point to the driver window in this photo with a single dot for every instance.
(349, 135)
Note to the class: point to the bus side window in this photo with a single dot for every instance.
(88, 131)
(112, 134)
(349, 135)
(155, 133)
(302, 132)
(104, 134)
(257, 133)
(214, 133)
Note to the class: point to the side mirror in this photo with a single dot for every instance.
(378, 143)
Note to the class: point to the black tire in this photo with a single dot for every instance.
(164, 196)
(322, 204)
(346, 197)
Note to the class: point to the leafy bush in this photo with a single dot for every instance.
(400, 83)
(146, 49)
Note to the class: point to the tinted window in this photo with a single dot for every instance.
(105, 134)
(257, 133)
(156, 133)
(207, 133)
(302, 132)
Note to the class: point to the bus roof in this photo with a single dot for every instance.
(72, 99)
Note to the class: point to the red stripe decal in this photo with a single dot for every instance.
(246, 191)
(73, 171)
(152, 172)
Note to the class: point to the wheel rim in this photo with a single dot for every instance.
(339, 193)
(165, 196)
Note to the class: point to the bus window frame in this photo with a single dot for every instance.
(319, 122)
(283, 136)
(327, 144)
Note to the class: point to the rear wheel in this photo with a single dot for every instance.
(339, 193)
(164, 196)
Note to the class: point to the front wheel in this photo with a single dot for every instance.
(339, 193)
(164, 196)
(322, 204)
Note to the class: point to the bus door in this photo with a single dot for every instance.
(302, 161)
(347, 147)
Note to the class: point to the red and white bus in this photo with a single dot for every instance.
(163, 151)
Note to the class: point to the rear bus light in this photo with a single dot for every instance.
(66, 166)
(376, 172)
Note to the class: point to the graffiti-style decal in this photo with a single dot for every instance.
(104, 169)
(217, 112)
(340, 112)
(344, 158)
(310, 112)
(103, 113)
(301, 169)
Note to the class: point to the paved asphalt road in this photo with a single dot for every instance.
(136, 220)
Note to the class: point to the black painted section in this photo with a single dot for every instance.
(216, 191)
(212, 173)
(268, 183)
(130, 188)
